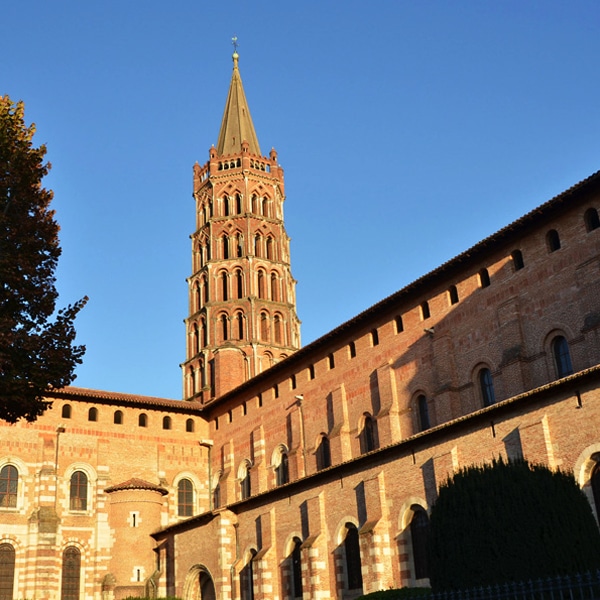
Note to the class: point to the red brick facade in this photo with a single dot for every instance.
(309, 478)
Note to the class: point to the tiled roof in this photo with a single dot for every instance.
(136, 484)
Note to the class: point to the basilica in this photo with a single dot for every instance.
(291, 471)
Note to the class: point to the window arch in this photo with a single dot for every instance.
(368, 435)
(486, 387)
(484, 278)
(423, 408)
(591, 219)
(553, 240)
(247, 578)
(282, 467)
(71, 574)
(258, 245)
(185, 498)
(225, 246)
(225, 206)
(323, 453)
(419, 533)
(264, 327)
(143, 420)
(78, 491)
(261, 284)
(224, 326)
(245, 482)
(270, 253)
(278, 330)
(562, 357)
(224, 285)
(352, 558)
(167, 423)
(517, 260)
(239, 325)
(93, 414)
(9, 486)
(7, 571)
(197, 295)
(238, 204)
(254, 202)
(118, 417)
(190, 426)
(296, 568)
(66, 411)
(274, 287)
(239, 283)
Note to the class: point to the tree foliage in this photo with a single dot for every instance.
(36, 342)
(510, 521)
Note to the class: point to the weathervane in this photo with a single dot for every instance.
(235, 43)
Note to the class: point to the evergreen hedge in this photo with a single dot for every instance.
(510, 521)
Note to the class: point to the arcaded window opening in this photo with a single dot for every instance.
(517, 260)
(553, 240)
(484, 278)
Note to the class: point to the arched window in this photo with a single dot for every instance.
(277, 329)
(118, 417)
(453, 294)
(192, 382)
(257, 245)
(198, 295)
(203, 332)
(189, 426)
(239, 319)
(7, 571)
(224, 327)
(71, 574)
(352, 555)
(247, 578)
(238, 204)
(591, 219)
(78, 492)
(368, 437)
(185, 498)
(204, 284)
(484, 278)
(225, 246)
(93, 414)
(595, 482)
(517, 260)
(274, 288)
(254, 204)
(553, 240)
(423, 408)
(425, 312)
(224, 286)
(296, 568)
(486, 386)
(264, 327)
(245, 483)
(239, 245)
(239, 283)
(9, 485)
(143, 420)
(66, 411)
(562, 357)
(261, 284)
(282, 470)
(264, 207)
(270, 248)
(323, 453)
(195, 339)
(167, 423)
(225, 206)
(419, 532)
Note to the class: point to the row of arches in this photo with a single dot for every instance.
(483, 380)
(230, 205)
(233, 285)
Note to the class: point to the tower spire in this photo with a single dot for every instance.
(237, 126)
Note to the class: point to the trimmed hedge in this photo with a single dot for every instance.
(510, 521)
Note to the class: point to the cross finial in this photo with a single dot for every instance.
(234, 41)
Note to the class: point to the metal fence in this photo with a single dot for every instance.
(584, 586)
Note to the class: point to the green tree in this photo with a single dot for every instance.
(36, 342)
(510, 521)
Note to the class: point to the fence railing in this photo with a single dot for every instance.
(585, 586)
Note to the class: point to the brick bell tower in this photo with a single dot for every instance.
(242, 299)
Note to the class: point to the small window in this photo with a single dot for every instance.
(423, 407)
(282, 470)
(592, 221)
(399, 324)
(166, 424)
(311, 371)
(419, 533)
(296, 570)
(293, 382)
(78, 491)
(185, 498)
(425, 313)
(486, 385)
(374, 337)
(517, 260)
(66, 411)
(331, 361)
(562, 357)
(553, 240)
(276, 391)
(352, 556)
(453, 294)
(143, 420)
(93, 414)
(189, 426)
(368, 437)
(245, 484)
(118, 417)
(230, 416)
(484, 278)
(323, 453)
(9, 485)
(352, 349)
(260, 400)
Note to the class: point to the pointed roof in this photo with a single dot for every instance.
(236, 126)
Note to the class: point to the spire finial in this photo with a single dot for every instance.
(234, 42)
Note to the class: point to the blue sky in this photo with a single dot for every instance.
(408, 132)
